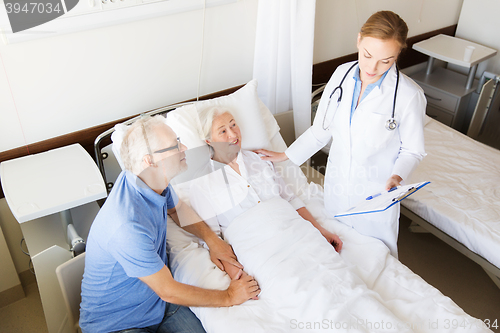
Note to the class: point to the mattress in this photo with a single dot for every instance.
(463, 199)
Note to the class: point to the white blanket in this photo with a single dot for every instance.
(307, 286)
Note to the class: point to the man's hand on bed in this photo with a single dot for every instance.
(221, 251)
(235, 273)
(187, 219)
(242, 288)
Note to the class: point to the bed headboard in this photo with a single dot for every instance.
(257, 125)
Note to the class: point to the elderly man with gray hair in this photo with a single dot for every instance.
(127, 285)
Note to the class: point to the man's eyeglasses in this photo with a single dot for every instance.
(177, 146)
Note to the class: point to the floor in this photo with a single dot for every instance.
(456, 276)
(24, 316)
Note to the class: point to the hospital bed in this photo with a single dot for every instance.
(306, 285)
(461, 206)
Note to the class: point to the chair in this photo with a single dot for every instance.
(70, 275)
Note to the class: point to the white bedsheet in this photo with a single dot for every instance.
(307, 286)
(463, 199)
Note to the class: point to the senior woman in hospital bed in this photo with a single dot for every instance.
(239, 181)
(303, 279)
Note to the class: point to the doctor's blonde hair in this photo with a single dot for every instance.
(386, 25)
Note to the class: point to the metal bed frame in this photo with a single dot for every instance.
(106, 137)
(418, 224)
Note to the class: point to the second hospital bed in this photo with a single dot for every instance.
(306, 286)
(461, 206)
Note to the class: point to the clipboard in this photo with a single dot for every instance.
(382, 201)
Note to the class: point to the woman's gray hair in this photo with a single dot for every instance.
(139, 140)
(207, 117)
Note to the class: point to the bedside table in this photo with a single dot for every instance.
(40, 190)
(447, 97)
(448, 93)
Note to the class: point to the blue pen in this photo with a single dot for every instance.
(376, 195)
(373, 196)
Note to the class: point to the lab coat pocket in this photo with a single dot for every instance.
(376, 135)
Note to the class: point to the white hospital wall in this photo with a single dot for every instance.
(66, 83)
(70, 82)
(339, 21)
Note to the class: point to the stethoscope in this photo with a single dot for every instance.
(390, 125)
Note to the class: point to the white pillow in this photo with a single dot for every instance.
(257, 124)
(259, 129)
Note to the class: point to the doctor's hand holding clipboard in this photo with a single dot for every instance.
(383, 200)
(375, 115)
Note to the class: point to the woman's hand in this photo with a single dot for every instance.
(271, 155)
(221, 251)
(330, 237)
(333, 239)
(393, 181)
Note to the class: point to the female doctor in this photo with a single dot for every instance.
(375, 115)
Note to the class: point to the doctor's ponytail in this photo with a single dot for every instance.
(386, 25)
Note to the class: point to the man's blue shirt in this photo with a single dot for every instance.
(127, 240)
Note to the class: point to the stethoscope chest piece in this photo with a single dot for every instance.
(391, 124)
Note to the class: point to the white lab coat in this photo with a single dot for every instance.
(364, 154)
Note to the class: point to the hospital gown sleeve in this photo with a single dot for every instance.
(411, 131)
